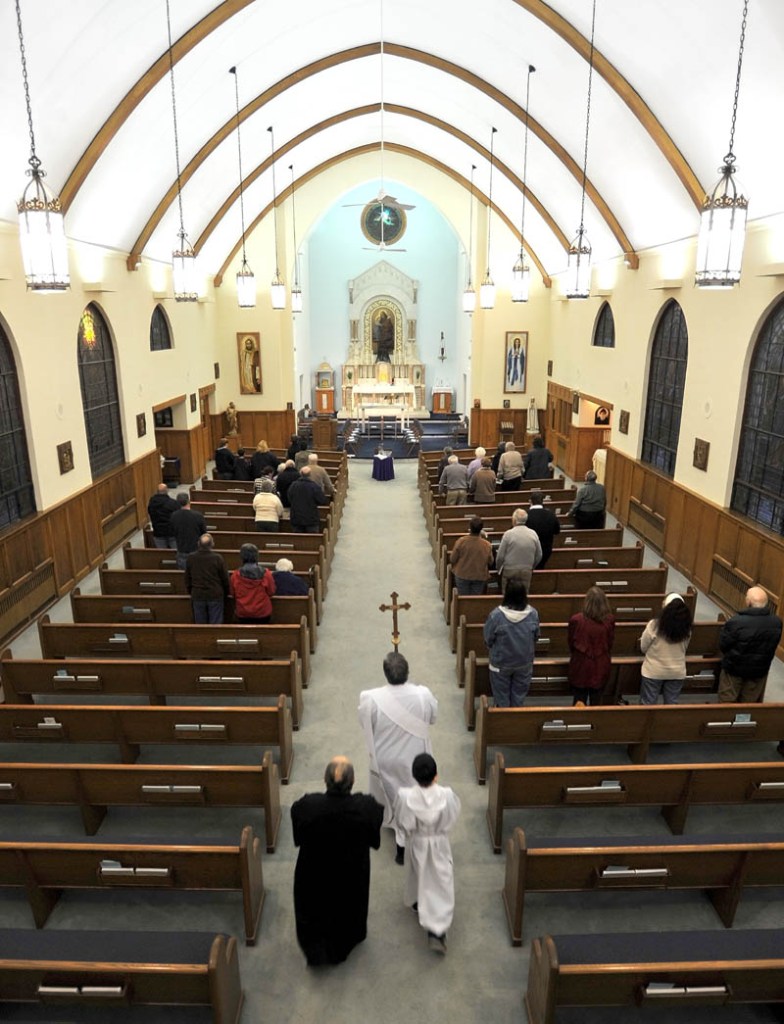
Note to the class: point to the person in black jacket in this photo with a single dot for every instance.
(748, 643)
(186, 526)
(284, 480)
(305, 496)
(241, 469)
(224, 460)
(160, 508)
(544, 522)
(207, 581)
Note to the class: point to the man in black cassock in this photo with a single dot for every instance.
(334, 831)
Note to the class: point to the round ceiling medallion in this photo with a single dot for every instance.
(383, 222)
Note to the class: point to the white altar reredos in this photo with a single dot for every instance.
(380, 295)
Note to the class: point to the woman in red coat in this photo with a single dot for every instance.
(591, 634)
(252, 587)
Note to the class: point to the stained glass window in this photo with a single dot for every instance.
(17, 497)
(160, 335)
(758, 491)
(604, 331)
(666, 381)
(99, 393)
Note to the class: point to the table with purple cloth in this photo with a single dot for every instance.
(383, 467)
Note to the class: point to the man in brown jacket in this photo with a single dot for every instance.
(471, 558)
(482, 483)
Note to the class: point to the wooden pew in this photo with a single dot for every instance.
(675, 969)
(93, 788)
(559, 606)
(553, 641)
(151, 640)
(279, 545)
(172, 581)
(130, 727)
(178, 609)
(118, 969)
(155, 680)
(550, 680)
(636, 727)
(672, 787)
(44, 869)
(721, 868)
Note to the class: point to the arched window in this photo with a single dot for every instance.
(99, 393)
(759, 474)
(604, 331)
(17, 498)
(665, 390)
(160, 335)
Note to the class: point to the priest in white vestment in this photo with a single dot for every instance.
(426, 813)
(396, 720)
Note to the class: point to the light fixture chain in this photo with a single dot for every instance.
(471, 225)
(587, 123)
(34, 162)
(490, 197)
(730, 158)
(174, 119)
(531, 70)
(274, 198)
(233, 71)
(294, 228)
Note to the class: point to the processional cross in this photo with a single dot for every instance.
(394, 608)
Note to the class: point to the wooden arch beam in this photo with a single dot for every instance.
(623, 88)
(370, 108)
(373, 147)
(139, 90)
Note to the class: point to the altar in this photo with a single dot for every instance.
(371, 393)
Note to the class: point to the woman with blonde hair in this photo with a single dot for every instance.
(590, 637)
(262, 458)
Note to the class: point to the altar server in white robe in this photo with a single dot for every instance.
(396, 720)
(426, 813)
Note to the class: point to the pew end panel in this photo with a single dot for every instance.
(253, 892)
(513, 892)
(540, 996)
(272, 812)
(495, 801)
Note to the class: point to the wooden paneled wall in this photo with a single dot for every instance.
(720, 551)
(573, 447)
(274, 426)
(44, 556)
(188, 447)
(486, 426)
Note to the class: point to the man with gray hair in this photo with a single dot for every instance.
(519, 551)
(590, 504)
(396, 720)
(454, 482)
(335, 832)
(476, 462)
(320, 475)
(510, 468)
(267, 507)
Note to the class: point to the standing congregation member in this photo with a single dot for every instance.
(590, 637)
(538, 461)
(748, 643)
(482, 483)
(335, 832)
(510, 468)
(453, 482)
(590, 504)
(207, 581)
(262, 459)
(252, 587)
(241, 469)
(267, 507)
(186, 527)
(287, 584)
(544, 522)
(160, 508)
(427, 813)
(519, 551)
(442, 462)
(304, 497)
(510, 633)
(471, 559)
(285, 479)
(396, 721)
(476, 462)
(664, 644)
(320, 475)
(224, 460)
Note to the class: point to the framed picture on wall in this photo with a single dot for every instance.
(515, 362)
(249, 355)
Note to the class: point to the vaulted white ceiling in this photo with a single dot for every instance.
(451, 69)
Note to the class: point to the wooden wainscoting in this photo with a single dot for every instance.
(188, 447)
(486, 427)
(45, 555)
(274, 426)
(720, 551)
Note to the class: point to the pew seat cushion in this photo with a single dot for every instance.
(106, 946)
(664, 947)
(589, 842)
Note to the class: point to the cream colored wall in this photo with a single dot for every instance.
(43, 332)
(722, 328)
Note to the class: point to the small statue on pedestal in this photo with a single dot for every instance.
(232, 420)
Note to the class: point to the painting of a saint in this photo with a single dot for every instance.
(383, 335)
(250, 363)
(515, 362)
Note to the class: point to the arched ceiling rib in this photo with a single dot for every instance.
(393, 147)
